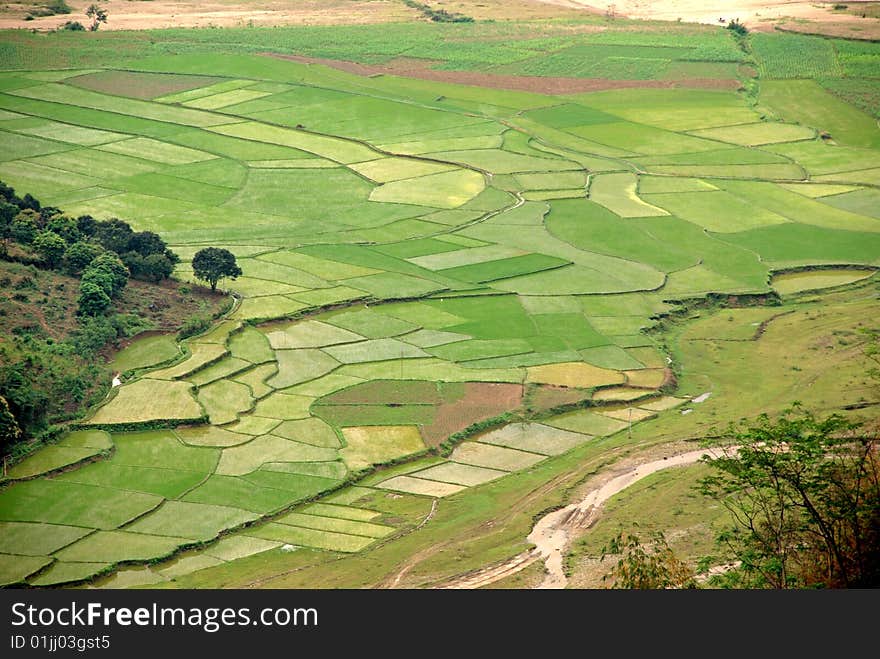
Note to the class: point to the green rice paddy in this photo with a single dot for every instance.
(469, 235)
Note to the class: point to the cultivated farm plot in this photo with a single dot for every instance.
(533, 237)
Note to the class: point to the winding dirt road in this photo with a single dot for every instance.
(553, 533)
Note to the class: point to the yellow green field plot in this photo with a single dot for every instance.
(423, 146)
(15, 569)
(585, 421)
(369, 445)
(664, 403)
(340, 511)
(165, 482)
(244, 459)
(256, 379)
(296, 535)
(323, 268)
(74, 447)
(224, 99)
(336, 525)
(716, 211)
(327, 147)
(659, 184)
(270, 269)
(210, 436)
(758, 134)
(773, 171)
(163, 152)
(459, 474)
(329, 472)
(617, 193)
(253, 425)
(35, 539)
(534, 438)
(203, 90)
(196, 521)
(551, 181)
(374, 350)
(149, 400)
(221, 369)
(462, 351)
(795, 282)
(187, 565)
(161, 449)
(862, 176)
(310, 334)
(201, 354)
(116, 546)
(296, 366)
(23, 175)
(72, 504)
(238, 546)
(309, 431)
(468, 256)
(627, 414)
(334, 295)
(799, 208)
(224, 400)
(549, 195)
(388, 285)
(281, 405)
(96, 163)
(573, 374)
(249, 287)
(250, 345)
(298, 163)
(640, 138)
(370, 323)
(239, 493)
(815, 190)
(733, 324)
(613, 357)
(131, 577)
(620, 393)
(62, 573)
(482, 454)
(270, 306)
(54, 130)
(431, 338)
(649, 378)
(443, 190)
(65, 94)
(412, 485)
(499, 161)
(145, 352)
(698, 280)
(384, 170)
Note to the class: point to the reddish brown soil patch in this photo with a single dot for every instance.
(140, 85)
(481, 401)
(547, 396)
(542, 85)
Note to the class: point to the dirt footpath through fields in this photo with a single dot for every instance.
(553, 533)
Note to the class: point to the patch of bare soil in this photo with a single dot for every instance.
(542, 85)
(761, 15)
(481, 401)
(157, 14)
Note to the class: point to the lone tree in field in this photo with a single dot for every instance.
(98, 16)
(213, 264)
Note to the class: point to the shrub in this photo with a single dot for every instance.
(51, 247)
(79, 255)
(92, 300)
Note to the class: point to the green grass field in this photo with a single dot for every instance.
(405, 243)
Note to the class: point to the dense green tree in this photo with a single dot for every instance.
(97, 15)
(113, 234)
(212, 264)
(87, 225)
(24, 227)
(92, 299)
(156, 267)
(50, 246)
(115, 267)
(146, 243)
(9, 430)
(64, 226)
(79, 255)
(8, 212)
(804, 495)
(99, 277)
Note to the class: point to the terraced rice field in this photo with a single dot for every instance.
(433, 267)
